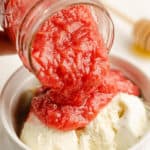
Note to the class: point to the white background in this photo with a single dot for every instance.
(135, 9)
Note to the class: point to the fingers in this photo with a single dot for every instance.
(6, 47)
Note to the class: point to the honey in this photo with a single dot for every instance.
(139, 51)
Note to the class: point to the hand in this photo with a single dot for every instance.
(6, 47)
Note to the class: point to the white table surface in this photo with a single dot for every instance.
(134, 8)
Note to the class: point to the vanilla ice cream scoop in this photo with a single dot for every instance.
(39, 137)
(118, 126)
(132, 123)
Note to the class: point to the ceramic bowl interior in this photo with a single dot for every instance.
(22, 80)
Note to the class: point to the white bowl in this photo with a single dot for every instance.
(22, 80)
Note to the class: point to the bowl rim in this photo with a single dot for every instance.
(3, 122)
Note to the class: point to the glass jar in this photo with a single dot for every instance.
(22, 20)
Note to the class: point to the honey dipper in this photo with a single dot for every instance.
(141, 30)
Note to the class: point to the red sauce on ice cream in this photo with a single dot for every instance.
(71, 61)
(68, 117)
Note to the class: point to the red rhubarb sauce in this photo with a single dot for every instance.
(70, 60)
(69, 54)
(69, 117)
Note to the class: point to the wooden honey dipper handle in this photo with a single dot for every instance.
(121, 15)
(141, 28)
